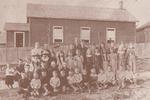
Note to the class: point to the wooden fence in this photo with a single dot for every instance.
(11, 55)
(143, 50)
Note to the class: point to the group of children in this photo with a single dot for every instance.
(79, 68)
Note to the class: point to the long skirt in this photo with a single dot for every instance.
(132, 63)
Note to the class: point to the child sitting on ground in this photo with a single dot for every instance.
(129, 77)
(63, 80)
(110, 77)
(55, 82)
(35, 85)
(44, 83)
(121, 78)
(85, 80)
(78, 79)
(93, 79)
(71, 80)
(102, 79)
(24, 85)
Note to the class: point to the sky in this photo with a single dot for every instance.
(15, 10)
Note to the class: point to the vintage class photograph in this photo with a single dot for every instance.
(74, 49)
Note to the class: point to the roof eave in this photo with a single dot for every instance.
(134, 21)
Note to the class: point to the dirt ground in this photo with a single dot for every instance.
(139, 92)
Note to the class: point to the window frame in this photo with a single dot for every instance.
(15, 38)
(107, 34)
(89, 34)
(62, 34)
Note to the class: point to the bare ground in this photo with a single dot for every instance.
(139, 92)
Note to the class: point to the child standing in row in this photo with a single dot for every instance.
(79, 60)
(89, 61)
(98, 60)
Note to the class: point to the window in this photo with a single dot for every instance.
(111, 34)
(57, 34)
(85, 34)
(19, 39)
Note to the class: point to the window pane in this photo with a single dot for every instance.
(57, 34)
(85, 34)
(19, 39)
(111, 34)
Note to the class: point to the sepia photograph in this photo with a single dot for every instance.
(74, 50)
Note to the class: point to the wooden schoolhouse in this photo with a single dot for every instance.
(52, 24)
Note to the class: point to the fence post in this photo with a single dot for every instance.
(17, 52)
(6, 54)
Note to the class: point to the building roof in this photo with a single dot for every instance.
(78, 12)
(143, 26)
(16, 27)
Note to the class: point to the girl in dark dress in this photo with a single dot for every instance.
(89, 61)
(72, 49)
(83, 52)
(98, 60)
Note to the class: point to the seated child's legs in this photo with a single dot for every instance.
(35, 93)
(24, 92)
(45, 90)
